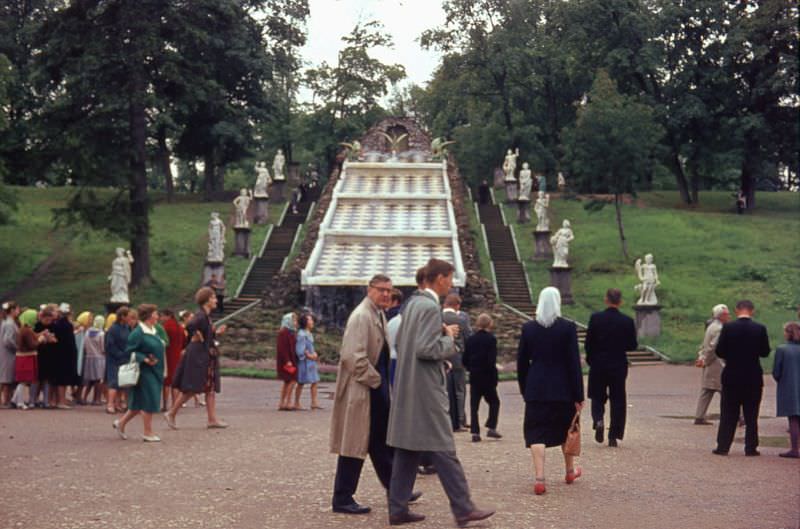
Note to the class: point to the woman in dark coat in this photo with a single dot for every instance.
(145, 397)
(46, 355)
(550, 380)
(116, 344)
(786, 372)
(286, 359)
(65, 366)
(198, 371)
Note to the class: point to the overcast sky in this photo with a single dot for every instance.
(404, 20)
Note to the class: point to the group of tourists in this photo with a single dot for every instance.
(296, 361)
(49, 360)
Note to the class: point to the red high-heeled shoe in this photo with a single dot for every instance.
(539, 488)
(572, 476)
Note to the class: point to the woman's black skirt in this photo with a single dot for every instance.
(547, 422)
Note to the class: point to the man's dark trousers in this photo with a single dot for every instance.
(746, 399)
(610, 386)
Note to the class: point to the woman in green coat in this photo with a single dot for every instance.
(145, 396)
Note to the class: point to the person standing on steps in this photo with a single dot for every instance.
(419, 422)
(712, 366)
(609, 337)
(742, 343)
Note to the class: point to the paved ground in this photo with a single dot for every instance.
(67, 469)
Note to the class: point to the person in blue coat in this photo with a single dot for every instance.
(307, 358)
(786, 372)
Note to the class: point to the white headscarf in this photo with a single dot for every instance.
(549, 306)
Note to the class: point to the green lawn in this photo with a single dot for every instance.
(705, 255)
(83, 258)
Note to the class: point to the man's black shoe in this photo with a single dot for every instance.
(407, 517)
(751, 453)
(414, 496)
(718, 452)
(612, 442)
(598, 432)
(353, 508)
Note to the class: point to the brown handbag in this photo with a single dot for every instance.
(572, 447)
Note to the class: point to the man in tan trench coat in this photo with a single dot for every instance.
(361, 403)
(712, 366)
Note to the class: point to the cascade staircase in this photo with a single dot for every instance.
(270, 262)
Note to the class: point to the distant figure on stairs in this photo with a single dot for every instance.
(484, 195)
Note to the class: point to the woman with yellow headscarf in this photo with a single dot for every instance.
(82, 323)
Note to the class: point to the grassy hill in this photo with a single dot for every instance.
(77, 261)
(705, 255)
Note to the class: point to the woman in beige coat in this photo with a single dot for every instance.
(711, 364)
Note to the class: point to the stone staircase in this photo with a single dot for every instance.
(270, 262)
(512, 285)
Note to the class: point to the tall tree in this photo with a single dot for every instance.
(612, 145)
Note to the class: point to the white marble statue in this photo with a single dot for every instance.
(278, 166)
(262, 181)
(525, 182)
(540, 208)
(510, 164)
(216, 239)
(562, 182)
(648, 275)
(241, 203)
(542, 182)
(120, 276)
(560, 243)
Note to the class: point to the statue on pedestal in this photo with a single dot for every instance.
(216, 239)
(525, 182)
(562, 182)
(542, 182)
(262, 181)
(510, 164)
(560, 243)
(241, 203)
(648, 275)
(120, 276)
(278, 166)
(541, 206)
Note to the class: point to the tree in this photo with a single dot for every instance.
(612, 145)
(8, 200)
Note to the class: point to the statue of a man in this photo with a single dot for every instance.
(262, 181)
(216, 239)
(278, 164)
(120, 276)
(510, 164)
(560, 243)
(540, 208)
(648, 275)
(241, 203)
(525, 182)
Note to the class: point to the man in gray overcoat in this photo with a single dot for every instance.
(418, 421)
(711, 364)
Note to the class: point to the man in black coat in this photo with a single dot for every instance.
(741, 344)
(480, 358)
(610, 336)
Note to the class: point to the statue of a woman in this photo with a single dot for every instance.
(560, 243)
(510, 164)
(540, 208)
(648, 275)
(278, 164)
(241, 203)
(120, 276)
(216, 239)
(262, 181)
(525, 182)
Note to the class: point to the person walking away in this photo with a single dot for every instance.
(741, 344)
(307, 358)
(786, 372)
(551, 383)
(8, 352)
(286, 359)
(712, 366)
(176, 342)
(361, 401)
(145, 396)
(198, 371)
(418, 421)
(452, 315)
(480, 358)
(609, 337)
(94, 361)
(116, 344)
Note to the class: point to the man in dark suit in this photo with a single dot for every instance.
(480, 358)
(741, 344)
(609, 337)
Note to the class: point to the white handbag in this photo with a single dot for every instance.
(128, 374)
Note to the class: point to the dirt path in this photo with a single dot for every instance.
(39, 273)
(67, 469)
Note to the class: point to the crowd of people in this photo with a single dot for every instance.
(48, 359)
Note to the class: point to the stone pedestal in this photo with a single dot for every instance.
(112, 306)
(261, 212)
(277, 191)
(543, 251)
(212, 267)
(242, 242)
(648, 320)
(561, 278)
(523, 211)
(512, 190)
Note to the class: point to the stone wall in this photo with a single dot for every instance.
(418, 138)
